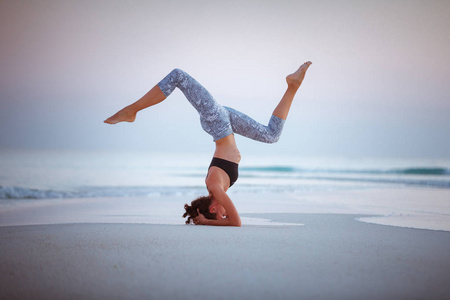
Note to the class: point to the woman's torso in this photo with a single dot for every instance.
(225, 149)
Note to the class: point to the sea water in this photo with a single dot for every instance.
(44, 174)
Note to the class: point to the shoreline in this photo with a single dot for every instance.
(400, 206)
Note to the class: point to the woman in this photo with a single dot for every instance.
(220, 122)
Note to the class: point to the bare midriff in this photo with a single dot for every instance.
(226, 149)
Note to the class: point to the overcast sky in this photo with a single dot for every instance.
(378, 86)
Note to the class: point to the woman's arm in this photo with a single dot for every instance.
(201, 220)
(220, 196)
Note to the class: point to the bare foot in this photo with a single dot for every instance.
(123, 115)
(295, 79)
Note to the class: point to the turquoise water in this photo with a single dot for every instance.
(27, 174)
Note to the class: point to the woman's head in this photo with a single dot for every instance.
(201, 204)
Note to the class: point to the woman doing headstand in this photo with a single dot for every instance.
(220, 122)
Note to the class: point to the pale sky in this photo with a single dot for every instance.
(378, 86)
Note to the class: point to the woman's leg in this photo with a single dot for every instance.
(246, 126)
(214, 118)
(128, 113)
(294, 81)
(197, 95)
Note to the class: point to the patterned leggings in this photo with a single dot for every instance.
(217, 120)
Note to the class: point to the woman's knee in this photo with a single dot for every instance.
(273, 138)
(178, 74)
(275, 128)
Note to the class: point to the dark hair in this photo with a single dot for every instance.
(202, 204)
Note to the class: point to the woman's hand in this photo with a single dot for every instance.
(200, 219)
(221, 196)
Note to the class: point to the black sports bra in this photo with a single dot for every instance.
(231, 168)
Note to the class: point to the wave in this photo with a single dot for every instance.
(94, 192)
(380, 180)
(418, 176)
(425, 171)
(324, 179)
(302, 184)
(406, 171)
(283, 169)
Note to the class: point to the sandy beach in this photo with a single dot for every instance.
(331, 257)
(139, 248)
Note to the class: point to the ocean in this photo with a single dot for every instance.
(50, 174)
